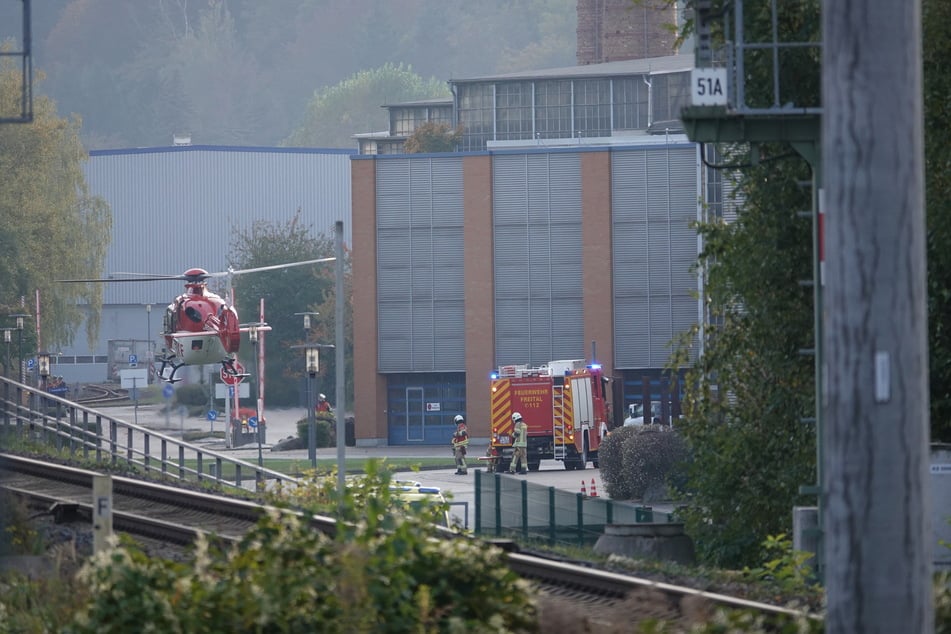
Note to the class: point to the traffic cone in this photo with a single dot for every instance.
(584, 491)
(594, 489)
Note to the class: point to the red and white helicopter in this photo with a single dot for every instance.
(199, 326)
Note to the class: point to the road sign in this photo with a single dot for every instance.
(168, 391)
(133, 378)
(30, 363)
(253, 422)
(212, 414)
(231, 379)
(709, 86)
(133, 359)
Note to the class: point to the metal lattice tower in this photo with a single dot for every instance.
(749, 89)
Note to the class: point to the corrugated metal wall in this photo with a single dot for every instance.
(655, 193)
(420, 295)
(177, 208)
(537, 246)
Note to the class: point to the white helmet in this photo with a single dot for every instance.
(459, 418)
(516, 417)
(322, 397)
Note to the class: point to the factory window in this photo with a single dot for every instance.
(514, 110)
(553, 109)
(593, 107)
(630, 103)
(476, 106)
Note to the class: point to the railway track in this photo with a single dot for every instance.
(177, 516)
(96, 394)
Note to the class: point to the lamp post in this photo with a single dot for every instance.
(20, 317)
(43, 371)
(253, 337)
(313, 364)
(148, 339)
(7, 339)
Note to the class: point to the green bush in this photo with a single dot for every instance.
(193, 395)
(382, 572)
(637, 462)
(325, 431)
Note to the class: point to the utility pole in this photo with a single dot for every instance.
(876, 437)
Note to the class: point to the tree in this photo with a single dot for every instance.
(750, 390)
(52, 227)
(354, 105)
(432, 137)
(285, 292)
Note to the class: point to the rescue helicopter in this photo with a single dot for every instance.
(200, 327)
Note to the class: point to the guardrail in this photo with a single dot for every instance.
(68, 426)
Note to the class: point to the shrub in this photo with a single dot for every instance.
(325, 430)
(193, 395)
(637, 462)
(382, 572)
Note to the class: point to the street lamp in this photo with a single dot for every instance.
(253, 337)
(312, 366)
(43, 371)
(7, 339)
(20, 317)
(43, 367)
(307, 319)
(148, 339)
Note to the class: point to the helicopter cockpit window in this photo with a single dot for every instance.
(193, 314)
(196, 344)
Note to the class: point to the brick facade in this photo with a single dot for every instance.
(613, 30)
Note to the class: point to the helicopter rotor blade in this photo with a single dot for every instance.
(272, 267)
(144, 278)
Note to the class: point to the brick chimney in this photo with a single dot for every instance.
(612, 30)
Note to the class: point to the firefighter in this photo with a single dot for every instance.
(519, 455)
(322, 404)
(460, 440)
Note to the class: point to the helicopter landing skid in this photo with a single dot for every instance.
(169, 362)
(227, 366)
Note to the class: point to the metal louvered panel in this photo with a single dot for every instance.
(654, 201)
(449, 344)
(537, 243)
(631, 320)
(423, 335)
(661, 329)
(217, 190)
(393, 193)
(419, 263)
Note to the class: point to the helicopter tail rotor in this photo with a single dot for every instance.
(229, 330)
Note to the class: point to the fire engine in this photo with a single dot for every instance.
(564, 405)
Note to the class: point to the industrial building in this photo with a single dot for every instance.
(562, 230)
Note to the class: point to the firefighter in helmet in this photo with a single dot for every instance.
(322, 404)
(519, 453)
(460, 440)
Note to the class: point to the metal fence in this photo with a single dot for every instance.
(29, 414)
(515, 508)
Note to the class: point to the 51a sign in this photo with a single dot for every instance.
(708, 87)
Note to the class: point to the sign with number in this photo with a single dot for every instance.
(232, 379)
(212, 414)
(708, 86)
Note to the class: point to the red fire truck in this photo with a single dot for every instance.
(564, 405)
